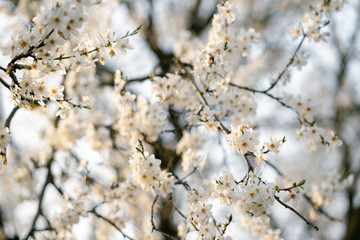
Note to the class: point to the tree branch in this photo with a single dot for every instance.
(10, 117)
(153, 223)
(297, 213)
(93, 211)
(287, 65)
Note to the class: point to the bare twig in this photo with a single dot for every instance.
(49, 179)
(10, 117)
(181, 214)
(93, 211)
(181, 182)
(215, 224)
(4, 83)
(154, 228)
(287, 65)
(246, 157)
(278, 99)
(193, 171)
(318, 209)
(152, 213)
(297, 213)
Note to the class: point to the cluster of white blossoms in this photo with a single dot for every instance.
(253, 195)
(174, 90)
(243, 138)
(256, 196)
(316, 20)
(317, 137)
(146, 169)
(41, 50)
(211, 76)
(146, 172)
(304, 107)
(138, 119)
(225, 189)
(200, 215)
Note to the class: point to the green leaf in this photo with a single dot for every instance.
(302, 182)
(313, 123)
(226, 46)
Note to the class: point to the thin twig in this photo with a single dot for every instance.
(181, 214)
(193, 171)
(181, 182)
(215, 224)
(4, 83)
(93, 211)
(246, 157)
(10, 117)
(287, 65)
(58, 188)
(318, 209)
(278, 99)
(188, 76)
(49, 179)
(154, 228)
(275, 168)
(139, 79)
(152, 213)
(297, 213)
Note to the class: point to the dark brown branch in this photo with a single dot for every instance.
(154, 228)
(278, 99)
(287, 65)
(277, 170)
(4, 83)
(140, 79)
(49, 179)
(12, 66)
(318, 209)
(198, 25)
(246, 157)
(297, 213)
(165, 59)
(152, 213)
(10, 117)
(193, 171)
(181, 182)
(181, 214)
(93, 211)
(57, 188)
